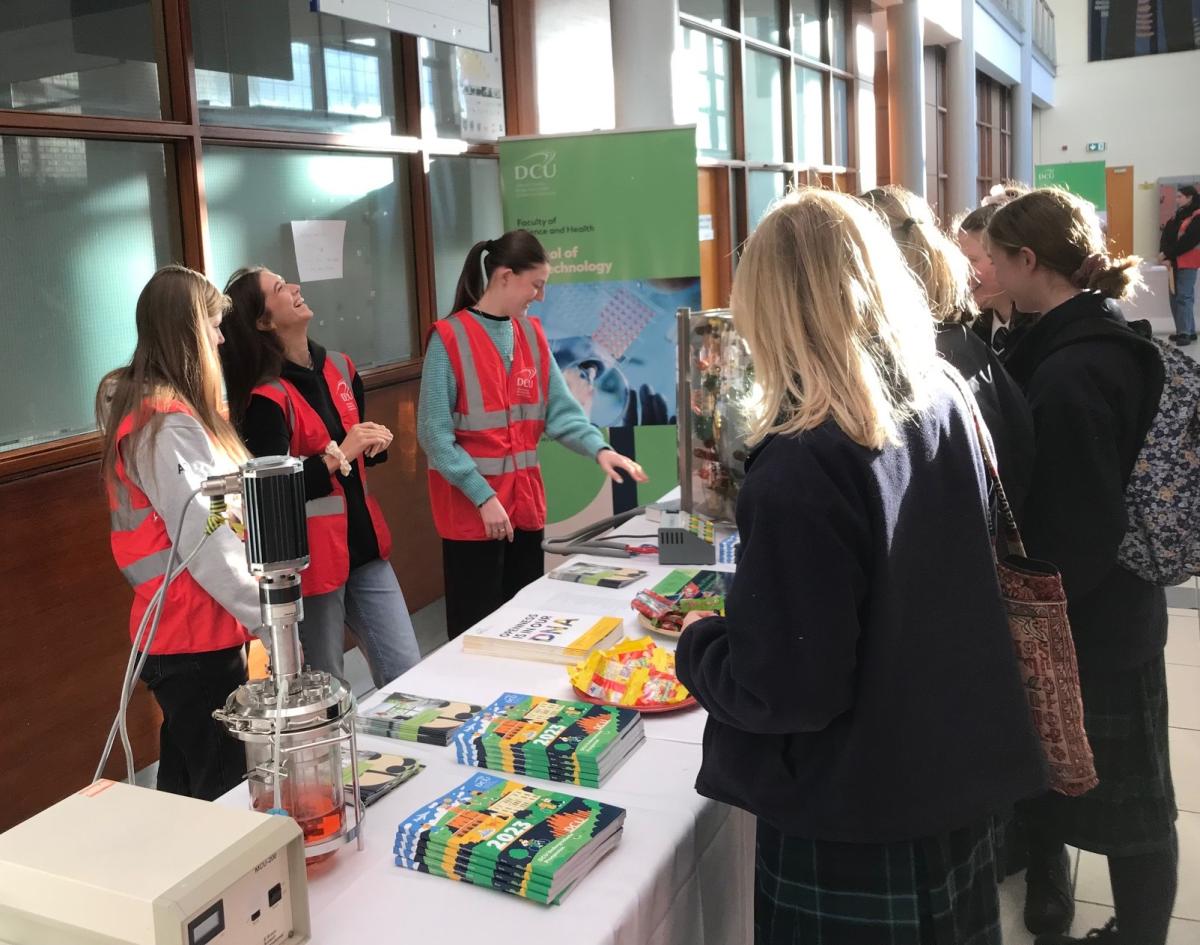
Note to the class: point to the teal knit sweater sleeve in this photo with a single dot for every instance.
(435, 426)
(565, 419)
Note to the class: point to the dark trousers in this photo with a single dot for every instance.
(196, 756)
(482, 575)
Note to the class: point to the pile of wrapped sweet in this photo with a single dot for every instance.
(634, 673)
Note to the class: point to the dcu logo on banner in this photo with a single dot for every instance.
(533, 175)
(538, 166)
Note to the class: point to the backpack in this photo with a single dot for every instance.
(1162, 497)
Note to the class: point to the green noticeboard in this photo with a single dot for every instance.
(1082, 178)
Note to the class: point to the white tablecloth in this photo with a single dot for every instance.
(682, 872)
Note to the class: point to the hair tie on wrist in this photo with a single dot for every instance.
(332, 449)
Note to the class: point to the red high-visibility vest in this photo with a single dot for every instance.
(498, 418)
(1190, 259)
(192, 621)
(329, 563)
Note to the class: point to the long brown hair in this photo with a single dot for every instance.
(518, 250)
(835, 321)
(938, 264)
(250, 356)
(173, 361)
(1064, 233)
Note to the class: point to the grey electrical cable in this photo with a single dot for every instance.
(134, 665)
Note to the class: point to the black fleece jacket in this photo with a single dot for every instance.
(265, 431)
(1093, 385)
(862, 686)
(1001, 404)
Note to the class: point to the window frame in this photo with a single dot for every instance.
(798, 173)
(184, 138)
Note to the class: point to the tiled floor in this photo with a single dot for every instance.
(1093, 896)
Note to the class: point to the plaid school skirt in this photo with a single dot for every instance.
(935, 891)
(1132, 810)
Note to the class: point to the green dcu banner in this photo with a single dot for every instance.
(616, 213)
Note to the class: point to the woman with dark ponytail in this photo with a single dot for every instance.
(490, 389)
(1093, 383)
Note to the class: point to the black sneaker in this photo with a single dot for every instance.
(1105, 936)
(1178, 337)
(1049, 902)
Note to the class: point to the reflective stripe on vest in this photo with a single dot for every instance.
(327, 505)
(125, 518)
(499, 465)
(476, 418)
(146, 569)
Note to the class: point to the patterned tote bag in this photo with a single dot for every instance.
(1036, 604)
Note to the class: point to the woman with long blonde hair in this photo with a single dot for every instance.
(862, 691)
(163, 435)
(945, 275)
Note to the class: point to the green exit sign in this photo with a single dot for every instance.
(1095, 145)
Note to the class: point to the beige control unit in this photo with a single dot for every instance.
(121, 865)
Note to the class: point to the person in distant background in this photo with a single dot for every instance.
(1179, 247)
(490, 389)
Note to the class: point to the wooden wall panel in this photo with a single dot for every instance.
(64, 630)
(64, 613)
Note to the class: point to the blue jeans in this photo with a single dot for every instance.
(373, 606)
(1182, 301)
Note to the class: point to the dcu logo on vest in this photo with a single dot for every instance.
(526, 381)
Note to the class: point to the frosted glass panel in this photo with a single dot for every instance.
(763, 104)
(703, 92)
(809, 117)
(276, 64)
(79, 58)
(762, 189)
(83, 225)
(253, 197)
(465, 196)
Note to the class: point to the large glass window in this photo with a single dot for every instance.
(837, 35)
(806, 27)
(841, 122)
(79, 58)
(256, 196)
(763, 104)
(762, 189)
(760, 19)
(810, 117)
(83, 225)
(276, 64)
(703, 91)
(465, 195)
(462, 90)
(715, 11)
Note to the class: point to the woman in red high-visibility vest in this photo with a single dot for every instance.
(490, 389)
(164, 434)
(289, 395)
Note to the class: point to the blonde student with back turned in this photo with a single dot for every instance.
(164, 434)
(862, 692)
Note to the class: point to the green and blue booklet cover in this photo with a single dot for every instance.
(554, 739)
(415, 718)
(528, 841)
